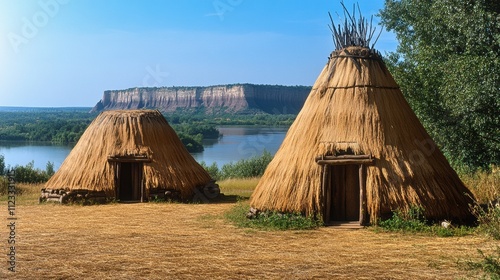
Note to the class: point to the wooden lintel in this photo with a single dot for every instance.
(344, 157)
(344, 161)
(128, 159)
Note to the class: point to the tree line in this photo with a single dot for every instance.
(65, 127)
(448, 67)
(56, 127)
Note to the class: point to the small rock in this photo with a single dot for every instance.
(446, 224)
(252, 213)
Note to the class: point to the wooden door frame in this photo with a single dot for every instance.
(326, 163)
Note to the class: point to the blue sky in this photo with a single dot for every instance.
(59, 53)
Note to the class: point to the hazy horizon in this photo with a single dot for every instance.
(66, 53)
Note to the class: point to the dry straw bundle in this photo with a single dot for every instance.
(355, 107)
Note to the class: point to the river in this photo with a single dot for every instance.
(237, 142)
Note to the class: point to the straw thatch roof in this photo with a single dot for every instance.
(355, 106)
(130, 134)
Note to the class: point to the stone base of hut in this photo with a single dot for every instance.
(73, 196)
(202, 194)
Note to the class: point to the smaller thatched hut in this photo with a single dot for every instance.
(130, 156)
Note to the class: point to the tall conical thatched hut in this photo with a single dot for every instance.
(130, 156)
(357, 151)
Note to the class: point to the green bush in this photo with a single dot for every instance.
(489, 265)
(244, 168)
(2, 165)
(270, 220)
(247, 168)
(30, 174)
(49, 169)
(410, 220)
(213, 170)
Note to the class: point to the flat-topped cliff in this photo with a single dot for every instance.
(236, 98)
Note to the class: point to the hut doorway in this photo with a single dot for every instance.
(344, 193)
(130, 181)
(343, 188)
(129, 171)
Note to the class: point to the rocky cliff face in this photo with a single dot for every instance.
(239, 98)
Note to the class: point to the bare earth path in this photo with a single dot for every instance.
(182, 241)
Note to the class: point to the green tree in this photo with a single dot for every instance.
(29, 174)
(448, 66)
(49, 169)
(2, 165)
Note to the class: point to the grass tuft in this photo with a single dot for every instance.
(270, 220)
(26, 194)
(488, 265)
(485, 185)
(489, 219)
(412, 220)
(4, 185)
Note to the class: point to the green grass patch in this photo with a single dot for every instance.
(412, 220)
(270, 220)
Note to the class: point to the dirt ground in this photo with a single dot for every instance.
(193, 241)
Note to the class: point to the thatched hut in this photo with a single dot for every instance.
(357, 151)
(130, 155)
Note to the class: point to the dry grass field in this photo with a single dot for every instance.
(194, 241)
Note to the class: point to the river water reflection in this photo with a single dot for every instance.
(241, 143)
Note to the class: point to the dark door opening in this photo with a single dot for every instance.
(343, 188)
(345, 193)
(130, 178)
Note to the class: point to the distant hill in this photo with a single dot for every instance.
(234, 98)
